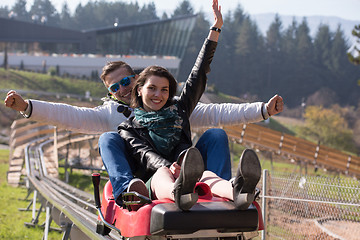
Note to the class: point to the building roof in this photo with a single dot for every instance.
(168, 37)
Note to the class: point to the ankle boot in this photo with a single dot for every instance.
(192, 168)
(247, 176)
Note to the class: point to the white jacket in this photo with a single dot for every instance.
(106, 118)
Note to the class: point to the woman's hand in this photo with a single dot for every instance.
(218, 22)
(175, 170)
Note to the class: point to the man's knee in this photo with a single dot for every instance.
(216, 134)
(109, 138)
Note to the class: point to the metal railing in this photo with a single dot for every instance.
(310, 207)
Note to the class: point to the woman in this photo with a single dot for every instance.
(158, 138)
(160, 131)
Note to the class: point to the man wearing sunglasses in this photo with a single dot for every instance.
(118, 78)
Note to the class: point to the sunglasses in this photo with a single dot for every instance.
(123, 82)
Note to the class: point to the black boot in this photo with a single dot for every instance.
(247, 177)
(192, 168)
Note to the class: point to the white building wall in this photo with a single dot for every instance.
(84, 65)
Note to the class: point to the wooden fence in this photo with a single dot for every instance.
(294, 147)
(23, 131)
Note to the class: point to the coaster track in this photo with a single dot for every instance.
(72, 209)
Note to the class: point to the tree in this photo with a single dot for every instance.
(274, 54)
(4, 12)
(322, 47)
(303, 74)
(323, 97)
(304, 44)
(20, 10)
(197, 36)
(327, 127)
(164, 16)
(46, 12)
(148, 12)
(248, 73)
(184, 8)
(338, 51)
(354, 56)
(65, 17)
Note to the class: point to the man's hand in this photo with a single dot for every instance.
(15, 101)
(275, 105)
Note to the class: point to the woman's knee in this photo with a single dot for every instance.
(208, 174)
(163, 171)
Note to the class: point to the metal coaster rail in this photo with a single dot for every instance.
(70, 208)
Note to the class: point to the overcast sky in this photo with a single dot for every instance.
(346, 9)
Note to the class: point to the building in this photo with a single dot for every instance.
(156, 42)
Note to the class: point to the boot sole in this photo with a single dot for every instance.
(192, 170)
(250, 169)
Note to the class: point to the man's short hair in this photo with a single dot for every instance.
(112, 66)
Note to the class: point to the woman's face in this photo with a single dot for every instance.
(154, 93)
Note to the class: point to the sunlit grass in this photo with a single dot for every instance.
(11, 219)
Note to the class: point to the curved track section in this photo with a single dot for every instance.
(72, 209)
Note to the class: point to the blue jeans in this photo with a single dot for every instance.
(213, 146)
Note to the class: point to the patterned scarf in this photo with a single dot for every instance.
(164, 127)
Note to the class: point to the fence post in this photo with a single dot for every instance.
(348, 165)
(242, 134)
(281, 143)
(316, 154)
(56, 156)
(263, 204)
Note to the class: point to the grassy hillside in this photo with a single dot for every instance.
(11, 219)
(15, 79)
(30, 81)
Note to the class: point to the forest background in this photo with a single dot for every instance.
(312, 74)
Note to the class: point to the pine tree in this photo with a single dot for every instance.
(20, 10)
(322, 48)
(44, 12)
(66, 21)
(274, 54)
(184, 8)
(4, 12)
(354, 56)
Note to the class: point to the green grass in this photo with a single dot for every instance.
(81, 179)
(30, 81)
(22, 80)
(11, 219)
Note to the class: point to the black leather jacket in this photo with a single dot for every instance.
(146, 159)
